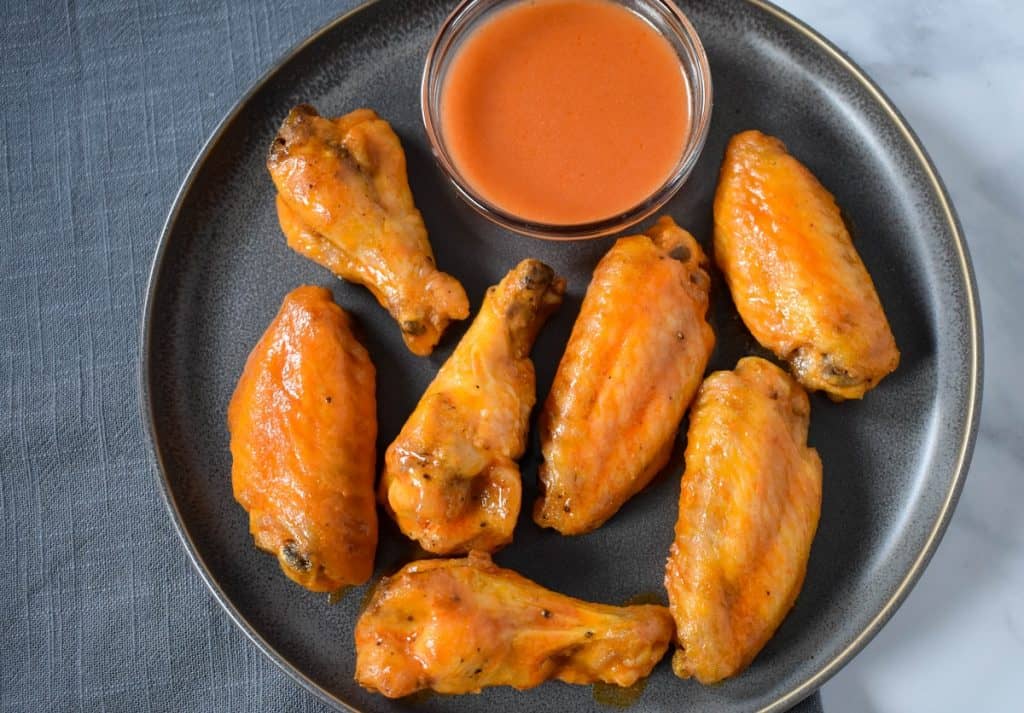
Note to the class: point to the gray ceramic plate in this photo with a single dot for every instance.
(894, 463)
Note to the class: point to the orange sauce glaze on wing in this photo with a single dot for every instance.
(303, 428)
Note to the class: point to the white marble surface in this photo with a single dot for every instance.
(956, 71)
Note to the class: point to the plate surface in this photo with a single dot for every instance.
(893, 463)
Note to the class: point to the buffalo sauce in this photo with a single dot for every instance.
(565, 111)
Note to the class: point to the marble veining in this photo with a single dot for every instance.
(956, 72)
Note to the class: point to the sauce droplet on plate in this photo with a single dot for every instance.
(609, 694)
(647, 598)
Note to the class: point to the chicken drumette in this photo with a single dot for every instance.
(457, 626)
(303, 422)
(344, 202)
(450, 477)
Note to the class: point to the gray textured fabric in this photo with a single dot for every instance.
(104, 106)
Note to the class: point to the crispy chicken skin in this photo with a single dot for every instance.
(303, 422)
(450, 477)
(793, 271)
(459, 625)
(344, 202)
(634, 361)
(748, 510)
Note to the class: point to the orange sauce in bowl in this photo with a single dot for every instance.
(565, 111)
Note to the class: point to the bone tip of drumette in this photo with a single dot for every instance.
(294, 126)
(447, 302)
(535, 280)
(527, 296)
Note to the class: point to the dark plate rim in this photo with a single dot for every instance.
(828, 668)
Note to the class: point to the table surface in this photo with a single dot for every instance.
(104, 106)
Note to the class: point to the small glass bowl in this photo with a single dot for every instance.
(666, 18)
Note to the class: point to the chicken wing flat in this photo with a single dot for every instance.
(303, 422)
(344, 202)
(450, 477)
(457, 626)
(793, 271)
(748, 510)
(634, 361)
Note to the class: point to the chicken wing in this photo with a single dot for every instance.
(748, 510)
(633, 364)
(457, 626)
(450, 477)
(793, 271)
(303, 422)
(344, 202)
